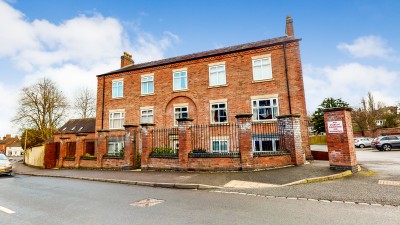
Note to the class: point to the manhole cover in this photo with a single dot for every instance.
(148, 202)
(389, 182)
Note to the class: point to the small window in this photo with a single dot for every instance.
(219, 146)
(147, 85)
(265, 109)
(265, 144)
(262, 69)
(116, 120)
(117, 89)
(115, 147)
(180, 112)
(180, 80)
(218, 113)
(147, 116)
(217, 75)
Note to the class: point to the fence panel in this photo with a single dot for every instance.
(266, 137)
(165, 140)
(221, 138)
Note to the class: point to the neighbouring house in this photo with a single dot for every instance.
(73, 145)
(14, 149)
(209, 96)
(6, 141)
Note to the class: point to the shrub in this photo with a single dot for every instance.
(163, 150)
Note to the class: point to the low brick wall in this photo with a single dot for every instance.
(88, 163)
(378, 132)
(319, 155)
(204, 164)
(110, 163)
(265, 161)
(68, 163)
(162, 164)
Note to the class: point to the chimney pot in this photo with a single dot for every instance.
(126, 60)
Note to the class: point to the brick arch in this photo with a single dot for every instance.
(169, 109)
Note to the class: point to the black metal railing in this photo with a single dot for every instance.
(165, 141)
(266, 137)
(219, 138)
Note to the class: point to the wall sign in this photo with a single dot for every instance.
(335, 127)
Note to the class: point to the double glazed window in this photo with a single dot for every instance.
(117, 89)
(180, 80)
(219, 146)
(265, 109)
(147, 116)
(116, 120)
(217, 75)
(265, 144)
(262, 69)
(180, 112)
(147, 85)
(218, 113)
(115, 147)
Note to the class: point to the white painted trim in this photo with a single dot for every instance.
(264, 96)
(147, 75)
(180, 105)
(261, 56)
(216, 64)
(224, 100)
(179, 70)
(146, 107)
(116, 110)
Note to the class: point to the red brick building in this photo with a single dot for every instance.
(261, 78)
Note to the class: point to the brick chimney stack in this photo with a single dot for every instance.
(126, 60)
(289, 26)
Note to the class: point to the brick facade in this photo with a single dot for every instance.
(286, 85)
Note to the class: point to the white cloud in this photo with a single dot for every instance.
(70, 53)
(350, 82)
(367, 46)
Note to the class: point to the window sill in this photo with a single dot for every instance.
(219, 124)
(263, 80)
(117, 129)
(183, 90)
(116, 98)
(142, 95)
(265, 121)
(217, 86)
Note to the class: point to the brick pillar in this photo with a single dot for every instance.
(80, 148)
(147, 143)
(130, 151)
(290, 137)
(245, 142)
(63, 150)
(339, 138)
(185, 141)
(101, 146)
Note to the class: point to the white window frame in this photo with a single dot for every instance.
(117, 147)
(180, 113)
(260, 140)
(217, 109)
(117, 85)
(219, 150)
(113, 119)
(265, 69)
(179, 75)
(147, 115)
(148, 81)
(221, 74)
(274, 109)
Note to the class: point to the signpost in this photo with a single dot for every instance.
(335, 127)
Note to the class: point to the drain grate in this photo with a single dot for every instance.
(148, 202)
(389, 182)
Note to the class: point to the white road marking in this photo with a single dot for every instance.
(4, 209)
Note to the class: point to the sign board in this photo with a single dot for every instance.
(335, 127)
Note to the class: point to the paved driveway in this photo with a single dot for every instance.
(386, 164)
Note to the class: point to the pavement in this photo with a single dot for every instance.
(314, 171)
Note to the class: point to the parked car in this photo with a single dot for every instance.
(5, 165)
(386, 143)
(361, 142)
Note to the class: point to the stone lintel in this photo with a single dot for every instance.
(334, 109)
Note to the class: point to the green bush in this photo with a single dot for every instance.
(88, 155)
(163, 150)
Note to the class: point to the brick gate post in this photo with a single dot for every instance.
(101, 146)
(339, 138)
(184, 141)
(147, 143)
(80, 147)
(130, 151)
(245, 142)
(63, 150)
(290, 137)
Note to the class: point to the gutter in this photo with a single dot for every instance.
(287, 78)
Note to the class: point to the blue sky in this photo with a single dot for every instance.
(349, 47)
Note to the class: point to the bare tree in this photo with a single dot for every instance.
(364, 117)
(85, 103)
(42, 108)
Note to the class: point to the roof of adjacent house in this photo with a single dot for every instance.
(214, 52)
(8, 140)
(75, 126)
(15, 144)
